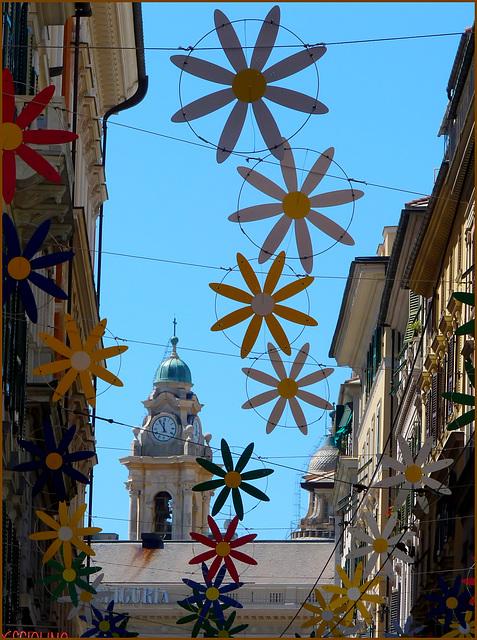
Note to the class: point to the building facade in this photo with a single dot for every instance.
(68, 46)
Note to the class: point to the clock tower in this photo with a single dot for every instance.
(162, 463)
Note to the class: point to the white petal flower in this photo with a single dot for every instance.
(248, 85)
(380, 545)
(295, 206)
(287, 388)
(413, 473)
(87, 600)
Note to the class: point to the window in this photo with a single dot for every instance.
(18, 48)
(276, 596)
(378, 426)
(373, 358)
(163, 514)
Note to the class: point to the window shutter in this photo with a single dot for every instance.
(450, 373)
(429, 413)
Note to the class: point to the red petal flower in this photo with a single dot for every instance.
(223, 548)
(14, 137)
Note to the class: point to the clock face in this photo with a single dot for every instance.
(164, 428)
(196, 434)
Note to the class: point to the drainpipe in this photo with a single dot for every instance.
(127, 104)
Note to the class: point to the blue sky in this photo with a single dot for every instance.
(169, 201)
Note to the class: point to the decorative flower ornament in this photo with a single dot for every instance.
(287, 388)
(232, 479)
(470, 581)
(354, 595)
(65, 533)
(212, 593)
(15, 137)
(263, 304)
(80, 360)
(296, 206)
(19, 268)
(466, 630)
(86, 600)
(195, 615)
(223, 629)
(223, 548)
(325, 616)
(380, 545)
(408, 632)
(413, 473)
(71, 579)
(450, 603)
(111, 625)
(249, 85)
(54, 460)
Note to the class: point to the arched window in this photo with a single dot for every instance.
(163, 514)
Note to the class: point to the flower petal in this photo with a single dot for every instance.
(243, 557)
(278, 333)
(229, 534)
(274, 274)
(203, 557)
(407, 456)
(292, 315)
(38, 163)
(318, 171)
(108, 352)
(293, 64)
(94, 337)
(48, 520)
(262, 183)
(276, 414)
(248, 274)
(437, 466)
(262, 377)
(299, 361)
(47, 285)
(424, 451)
(52, 367)
(220, 501)
(266, 39)
(288, 167)
(231, 568)
(329, 227)
(203, 69)
(231, 132)
(254, 492)
(276, 361)
(292, 289)
(226, 455)
(268, 128)
(9, 175)
(238, 504)
(51, 259)
(211, 466)
(232, 292)
(244, 458)
(436, 485)
(303, 245)
(255, 474)
(33, 109)
(11, 236)
(229, 41)
(36, 240)
(230, 320)
(334, 198)
(209, 485)
(64, 384)
(203, 106)
(298, 415)
(28, 300)
(88, 388)
(257, 212)
(274, 239)
(316, 376)
(52, 549)
(262, 398)
(104, 374)
(295, 100)
(48, 136)
(251, 336)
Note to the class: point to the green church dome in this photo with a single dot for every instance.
(173, 369)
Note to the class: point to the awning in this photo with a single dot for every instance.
(344, 424)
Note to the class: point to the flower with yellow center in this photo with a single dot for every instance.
(379, 545)
(263, 304)
(451, 603)
(85, 600)
(223, 547)
(65, 533)
(249, 85)
(287, 388)
(413, 473)
(232, 479)
(108, 624)
(54, 460)
(216, 629)
(211, 593)
(296, 206)
(353, 594)
(466, 630)
(80, 360)
(71, 578)
(324, 615)
(15, 136)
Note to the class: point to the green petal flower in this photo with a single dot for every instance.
(70, 577)
(232, 479)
